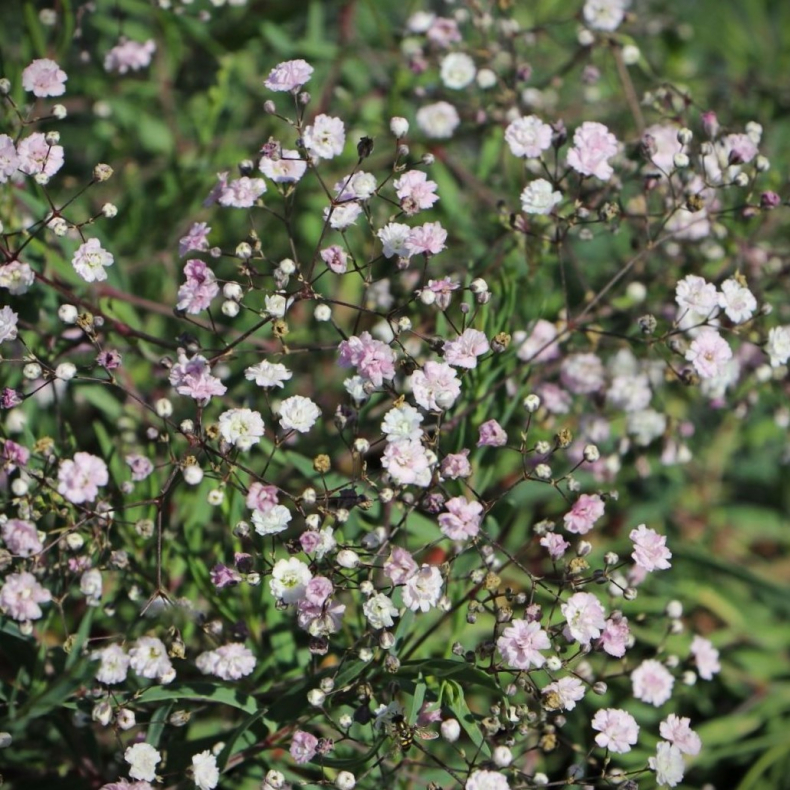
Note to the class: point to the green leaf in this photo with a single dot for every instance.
(200, 692)
(453, 697)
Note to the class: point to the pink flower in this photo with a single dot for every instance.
(36, 156)
(408, 463)
(706, 657)
(374, 359)
(586, 510)
(43, 77)
(79, 480)
(261, 497)
(399, 566)
(442, 291)
(242, 192)
(650, 551)
(303, 747)
(593, 145)
(415, 191)
(129, 56)
(709, 353)
(141, 467)
(492, 435)
(196, 239)
(335, 258)
(652, 682)
(462, 519)
(678, 731)
(192, 377)
(585, 617)
(617, 730)
(427, 239)
(555, 544)
(21, 595)
(528, 137)
(521, 642)
(14, 455)
(21, 537)
(199, 289)
(456, 465)
(289, 75)
(436, 386)
(90, 261)
(614, 638)
(222, 576)
(464, 351)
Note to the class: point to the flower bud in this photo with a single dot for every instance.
(68, 313)
(230, 308)
(741, 180)
(323, 312)
(761, 164)
(348, 559)
(680, 160)
(316, 697)
(102, 712)
(32, 371)
(345, 780)
(125, 719)
(59, 112)
(399, 126)
(451, 730)
(102, 172)
(66, 371)
(591, 453)
(274, 780)
(502, 757)
(685, 136)
(193, 474)
(52, 138)
(532, 403)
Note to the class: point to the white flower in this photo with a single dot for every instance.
(114, 664)
(148, 658)
(402, 423)
(457, 70)
(142, 759)
(539, 197)
(778, 345)
(343, 215)
(393, 237)
(695, 294)
(604, 14)
(90, 260)
(205, 771)
(646, 425)
(241, 427)
(737, 300)
(289, 579)
(380, 610)
(325, 138)
(276, 305)
(268, 374)
(298, 413)
(229, 662)
(528, 136)
(8, 322)
(439, 120)
(91, 586)
(423, 589)
(668, 764)
(272, 521)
